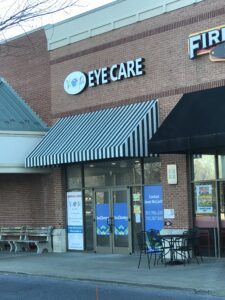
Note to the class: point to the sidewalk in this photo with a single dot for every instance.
(207, 277)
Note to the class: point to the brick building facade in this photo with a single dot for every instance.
(38, 74)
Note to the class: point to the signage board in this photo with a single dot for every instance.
(77, 81)
(75, 221)
(172, 174)
(210, 41)
(102, 216)
(204, 195)
(153, 207)
(121, 219)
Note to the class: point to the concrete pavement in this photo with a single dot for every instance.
(207, 277)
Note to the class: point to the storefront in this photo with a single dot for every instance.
(105, 138)
(108, 168)
(113, 206)
(203, 142)
(133, 95)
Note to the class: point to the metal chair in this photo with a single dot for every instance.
(149, 244)
(187, 247)
(194, 244)
(182, 248)
(156, 245)
(141, 238)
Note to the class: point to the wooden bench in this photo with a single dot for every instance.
(8, 235)
(40, 237)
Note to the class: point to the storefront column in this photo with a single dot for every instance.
(176, 196)
(59, 232)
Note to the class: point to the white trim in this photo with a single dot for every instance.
(20, 169)
(22, 133)
(108, 17)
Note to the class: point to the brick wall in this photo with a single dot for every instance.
(24, 63)
(162, 41)
(32, 199)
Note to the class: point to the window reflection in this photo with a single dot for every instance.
(74, 178)
(152, 174)
(221, 165)
(115, 173)
(137, 213)
(88, 201)
(204, 168)
(112, 173)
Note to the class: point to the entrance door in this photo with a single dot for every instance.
(209, 192)
(210, 218)
(221, 235)
(112, 226)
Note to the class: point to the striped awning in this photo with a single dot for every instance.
(117, 132)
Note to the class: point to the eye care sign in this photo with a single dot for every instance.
(76, 82)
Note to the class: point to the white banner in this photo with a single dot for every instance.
(75, 221)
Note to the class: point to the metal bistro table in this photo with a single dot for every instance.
(172, 243)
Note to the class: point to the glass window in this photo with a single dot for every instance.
(128, 172)
(152, 171)
(137, 213)
(94, 175)
(221, 165)
(204, 167)
(112, 173)
(74, 179)
(88, 200)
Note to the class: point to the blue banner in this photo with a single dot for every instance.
(75, 229)
(102, 215)
(120, 219)
(153, 207)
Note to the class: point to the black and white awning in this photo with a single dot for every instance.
(119, 132)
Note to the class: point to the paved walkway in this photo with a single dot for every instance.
(207, 277)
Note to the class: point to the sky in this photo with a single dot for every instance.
(83, 6)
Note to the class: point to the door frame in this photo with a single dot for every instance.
(214, 232)
(112, 248)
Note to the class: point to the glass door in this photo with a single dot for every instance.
(112, 228)
(121, 225)
(206, 212)
(209, 191)
(222, 218)
(102, 228)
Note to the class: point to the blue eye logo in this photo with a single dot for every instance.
(75, 83)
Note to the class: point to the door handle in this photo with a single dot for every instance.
(110, 223)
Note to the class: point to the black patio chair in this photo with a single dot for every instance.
(182, 248)
(194, 244)
(187, 247)
(149, 245)
(156, 245)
